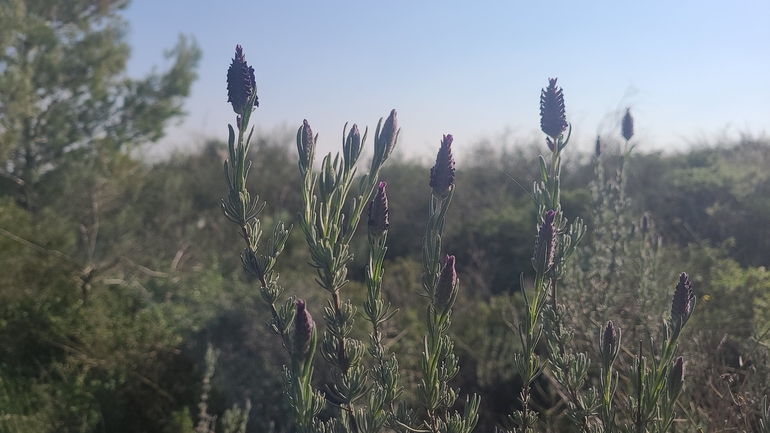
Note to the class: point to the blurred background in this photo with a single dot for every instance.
(689, 69)
(118, 270)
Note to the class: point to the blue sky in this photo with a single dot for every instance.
(689, 70)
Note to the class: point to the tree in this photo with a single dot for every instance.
(64, 95)
(69, 116)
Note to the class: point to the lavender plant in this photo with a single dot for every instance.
(439, 363)
(613, 230)
(365, 394)
(656, 380)
(328, 234)
(555, 244)
(243, 210)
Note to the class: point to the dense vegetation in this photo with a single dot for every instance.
(116, 275)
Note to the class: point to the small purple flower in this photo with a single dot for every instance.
(303, 331)
(609, 344)
(553, 118)
(378, 213)
(445, 293)
(545, 243)
(241, 84)
(627, 125)
(681, 306)
(442, 175)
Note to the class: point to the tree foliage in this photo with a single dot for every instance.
(65, 97)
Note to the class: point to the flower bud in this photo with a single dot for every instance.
(241, 84)
(446, 287)
(545, 243)
(553, 119)
(303, 331)
(598, 148)
(388, 134)
(352, 147)
(305, 146)
(681, 306)
(378, 213)
(442, 175)
(676, 377)
(627, 126)
(677, 372)
(609, 344)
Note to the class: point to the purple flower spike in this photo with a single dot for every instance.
(627, 126)
(681, 306)
(553, 118)
(303, 331)
(241, 84)
(378, 213)
(609, 338)
(442, 175)
(609, 344)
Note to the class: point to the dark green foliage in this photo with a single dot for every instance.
(709, 194)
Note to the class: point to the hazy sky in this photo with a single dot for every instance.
(688, 69)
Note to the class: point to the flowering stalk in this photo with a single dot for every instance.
(328, 233)
(304, 400)
(555, 244)
(609, 345)
(611, 208)
(243, 210)
(384, 372)
(439, 364)
(292, 323)
(656, 382)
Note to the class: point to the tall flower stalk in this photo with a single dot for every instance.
(242, 209)
(555, 244)
(384, 372)
(569, 369)
(438, 362)
(304, 400)
(656, 381)
(259, 261)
